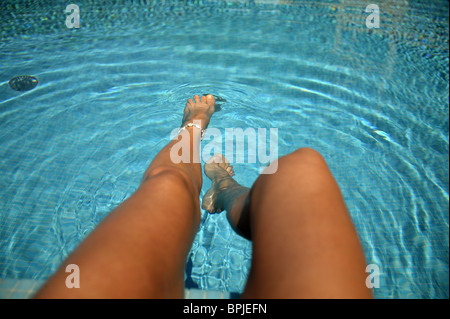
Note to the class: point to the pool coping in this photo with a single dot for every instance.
(11, 288)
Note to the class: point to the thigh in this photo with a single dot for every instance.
(304, 242)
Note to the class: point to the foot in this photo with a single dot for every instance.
(226, 194)
(220, 172)
(200, 109)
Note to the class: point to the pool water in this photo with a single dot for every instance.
(374, 102)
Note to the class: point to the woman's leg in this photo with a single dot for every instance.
(304, 242)
(139, 250)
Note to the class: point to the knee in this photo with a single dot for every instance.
(169, 177)
(303, 167)
(306, 155)
(301, 161)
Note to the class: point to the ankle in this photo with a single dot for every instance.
(202, 120)
(238, 215)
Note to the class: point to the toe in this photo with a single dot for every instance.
(210, 99)
(190, 102)
(230, 170)
(196, 98)
(203, 99)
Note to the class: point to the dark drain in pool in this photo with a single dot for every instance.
(23, 82)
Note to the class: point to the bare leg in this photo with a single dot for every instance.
(304, 242)
(139, 250)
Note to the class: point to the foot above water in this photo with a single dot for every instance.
(199, 109)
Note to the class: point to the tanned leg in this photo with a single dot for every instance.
(304, 242)
(139, 250)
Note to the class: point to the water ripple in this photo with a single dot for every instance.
(374, 104)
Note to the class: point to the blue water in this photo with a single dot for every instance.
(373, 102)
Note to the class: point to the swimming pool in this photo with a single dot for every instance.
(374, 102)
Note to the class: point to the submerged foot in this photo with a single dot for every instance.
(226, 194)
(219, 170)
